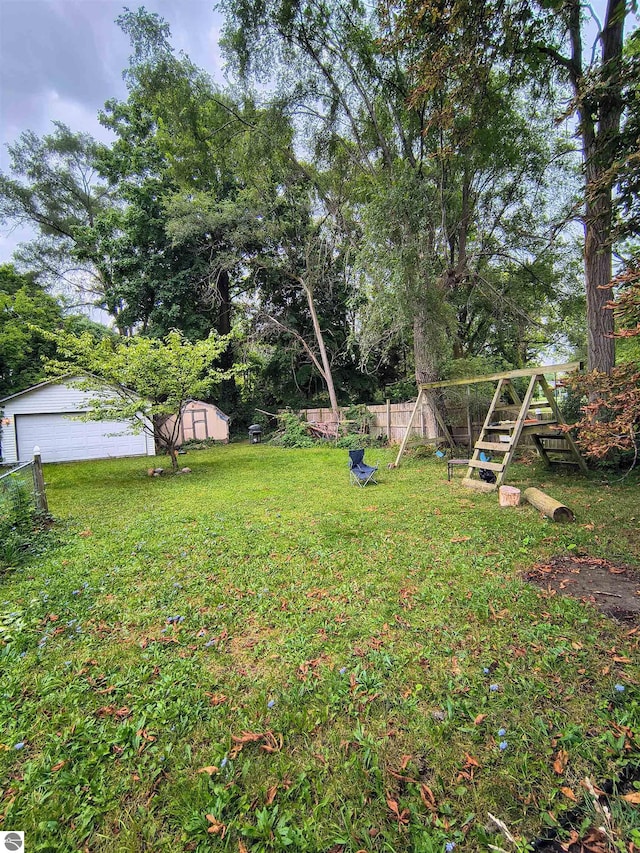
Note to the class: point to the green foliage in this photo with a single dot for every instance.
(54, 186)
(20, 525)
(359, 418)
(26, 309)
(293, 432)
(357, 441)
(143, 380)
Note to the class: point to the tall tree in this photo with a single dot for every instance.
(545, 40)
(26, 310)
(597, 89)
(54, 187)
(228, 173)
(422, 163)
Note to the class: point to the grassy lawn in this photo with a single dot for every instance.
(258, 656)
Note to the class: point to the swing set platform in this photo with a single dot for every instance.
(500, 438)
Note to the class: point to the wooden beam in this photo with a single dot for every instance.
(409, 425)
(509, 374)
(478, 485)
(558, 415)
(440, 421)
(488, 466)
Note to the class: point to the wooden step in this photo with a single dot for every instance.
(479, 485)
(497, 446)
(500, 427)
(488, 466)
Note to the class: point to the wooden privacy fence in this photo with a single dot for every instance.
(389, 419)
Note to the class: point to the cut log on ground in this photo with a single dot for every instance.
(548, 506)
(323, 430)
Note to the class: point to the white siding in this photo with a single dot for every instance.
(39, 413)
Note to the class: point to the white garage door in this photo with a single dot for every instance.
(62, 439)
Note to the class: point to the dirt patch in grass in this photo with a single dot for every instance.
(613, 588)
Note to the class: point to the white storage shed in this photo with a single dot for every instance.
(44, 416)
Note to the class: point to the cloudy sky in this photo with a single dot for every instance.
(62, 59)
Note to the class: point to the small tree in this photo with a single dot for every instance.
(143, 380)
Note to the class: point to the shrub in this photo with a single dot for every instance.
(18, 523)
(293, 432)
(359, 419)
(609, 426)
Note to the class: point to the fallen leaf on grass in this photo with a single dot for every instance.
(85, 533)
(469, 768)
(573, 838)
(112, 711)
(633, 797)
(569, 794)
(401, 816)
(595, 842)
(211, 769)
(460, 539)
(271, 795)
(479, 719)
(216, 827)
(242, 848)
(58, 766)
(271, 743)
(426, 795)
(560, 761)
(216, 698)
(247, 737)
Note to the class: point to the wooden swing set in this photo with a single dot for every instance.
(496, 445)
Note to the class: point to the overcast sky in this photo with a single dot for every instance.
(62, 59)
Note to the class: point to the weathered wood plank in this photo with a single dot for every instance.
(494, 446)
(489, 466)
(478, 485)
(509, 374)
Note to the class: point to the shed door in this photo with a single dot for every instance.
(62, 439)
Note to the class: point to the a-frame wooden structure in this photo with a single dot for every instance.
(495, 448)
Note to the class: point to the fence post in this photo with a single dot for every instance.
(388, 421)
(38, 482)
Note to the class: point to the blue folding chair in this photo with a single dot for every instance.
(360, 473)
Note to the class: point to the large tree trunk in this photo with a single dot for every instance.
(599, 127)
(424, 356)
(598, 272)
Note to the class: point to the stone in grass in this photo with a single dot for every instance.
(186, 471)
(158, 471)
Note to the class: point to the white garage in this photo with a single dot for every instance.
(43, 416)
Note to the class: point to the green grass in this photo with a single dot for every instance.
(375, 639)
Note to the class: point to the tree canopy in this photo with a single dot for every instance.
(381, 192)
